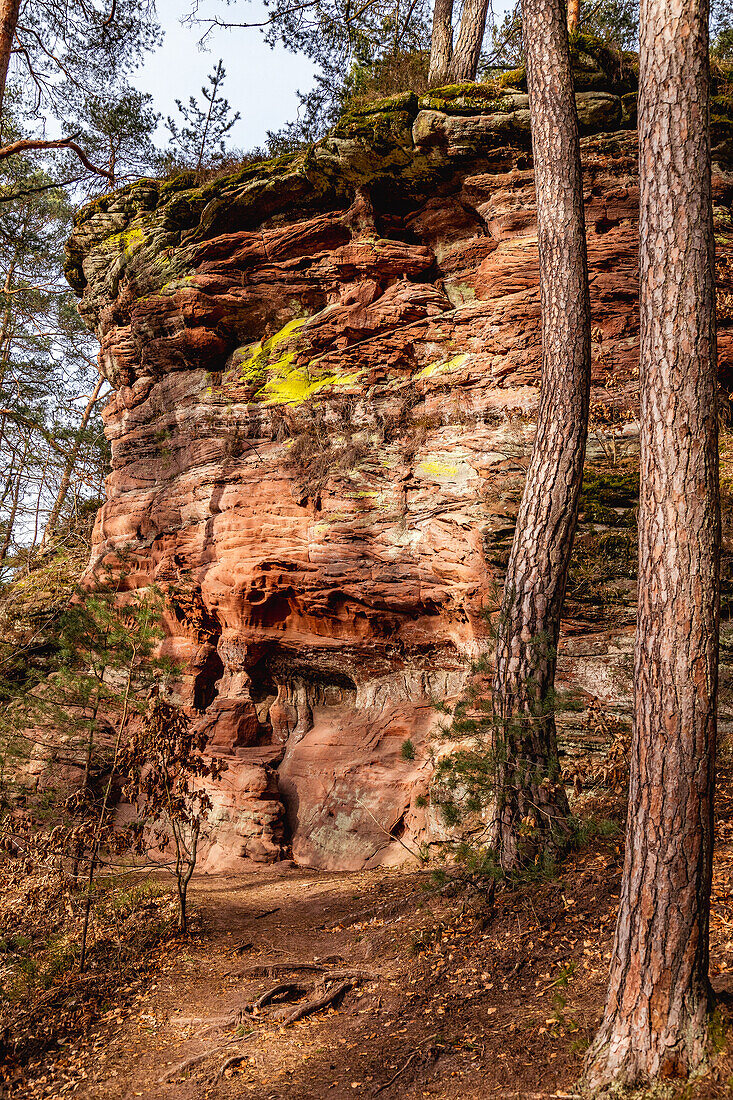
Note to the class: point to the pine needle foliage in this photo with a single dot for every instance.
(479, 761)
(200, 134)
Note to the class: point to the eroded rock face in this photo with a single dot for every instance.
(326, 373)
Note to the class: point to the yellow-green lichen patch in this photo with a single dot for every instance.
(253, 362)
(249, 363)
(177, 284)
(439, 367)
(127, 242)
(292, 386)
(286, 332)
(439, 470)
(268, 365)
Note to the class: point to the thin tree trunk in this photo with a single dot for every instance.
(467, 52)
(8, 536)
(441, 43)
(205, 131)
(41, 487)
(8, 21)
(87, 911)
(97, 840)
(531, 801)
(573, 16)
(658, 997)
(69, 466)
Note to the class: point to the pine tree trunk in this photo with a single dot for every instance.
(573, 16)
(8, 535)
(70, 465)
(441, 43)
(465, 59)
(8, 21)
(531, 803)
(658, 997)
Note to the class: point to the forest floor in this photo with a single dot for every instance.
(447, 1001)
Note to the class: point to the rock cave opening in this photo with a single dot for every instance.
(263, 692)
(205, 685)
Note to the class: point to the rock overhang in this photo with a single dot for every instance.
(325, 372)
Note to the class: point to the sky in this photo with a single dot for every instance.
(260, 83)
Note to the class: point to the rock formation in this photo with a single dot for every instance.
(325, 370)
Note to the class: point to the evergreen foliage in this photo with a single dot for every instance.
(84, 44)
(118, 126)
(480, 759)
(101, 711)
(200, 135)
(47, 369)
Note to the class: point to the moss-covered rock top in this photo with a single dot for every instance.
(149, 230)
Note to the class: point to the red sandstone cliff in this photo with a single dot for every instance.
(325, 373)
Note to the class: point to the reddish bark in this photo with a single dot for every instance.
(8, 21)
(528, 786)
(655, 1022)
(465, 58)
(573, 16)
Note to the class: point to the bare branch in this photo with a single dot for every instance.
(215, 21)
(110, 18)
(37, 190)
(28, 144)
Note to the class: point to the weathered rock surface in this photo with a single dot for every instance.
(326, 372)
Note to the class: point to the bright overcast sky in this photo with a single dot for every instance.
(260, 83)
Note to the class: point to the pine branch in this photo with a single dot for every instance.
(28, 144)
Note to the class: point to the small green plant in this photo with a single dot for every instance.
(124, 901)
(407, 751)
(490, 787)
(103, 666)
(199, 135)
(61, 959)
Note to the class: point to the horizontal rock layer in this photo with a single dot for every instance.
(325, 373)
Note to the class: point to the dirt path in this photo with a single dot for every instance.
(461, 1007)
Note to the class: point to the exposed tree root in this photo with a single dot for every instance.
(271, 970)
(328, 998)
(233, 1060)
(197, 1059)
(402, 1069)
(289, 989)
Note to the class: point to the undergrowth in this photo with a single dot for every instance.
(44, 1000)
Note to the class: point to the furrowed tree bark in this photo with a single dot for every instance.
(441, 43)
(531, 803)
(465, 58)
(8, 22)
(655, 1022)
